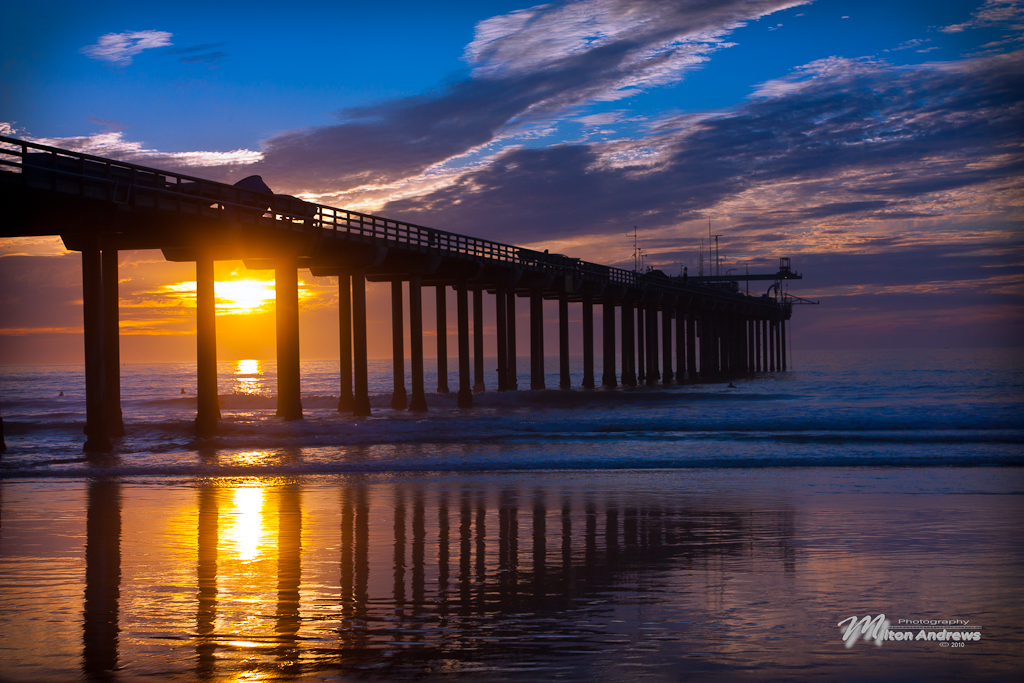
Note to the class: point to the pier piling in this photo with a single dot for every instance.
(418, 403)
(666, 345)
(462, 303)
(588, 341)
(640, 350)
(442, 339)
(628, 373)
(111, 345)
(564, 382)
(512, 383)
(399, 398)
(536, 340)
(207, 402)
(361, 400)
(478, 340)
(608, 343)
(501, 332)
(97, 435)
(289, 403)
(345, 397)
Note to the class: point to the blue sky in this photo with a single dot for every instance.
(877, 143)
(234, 74)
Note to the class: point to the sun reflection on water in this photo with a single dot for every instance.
(248, 377)
(244, 533)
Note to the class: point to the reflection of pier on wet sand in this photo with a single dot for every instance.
(584, 576)
(425, 577)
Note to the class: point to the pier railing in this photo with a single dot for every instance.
(50, 168)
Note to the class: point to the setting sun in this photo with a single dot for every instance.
(232, 296)
(243, 296)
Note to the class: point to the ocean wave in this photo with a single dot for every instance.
(64, 468)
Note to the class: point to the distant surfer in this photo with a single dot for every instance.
(61, 393)
(183, 391)
(731, 386)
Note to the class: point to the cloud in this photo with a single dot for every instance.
(119, 48)
(527, 68)
(113, 144)
(909, 44)
(849, 144)
(1008, 14)
(109, 124)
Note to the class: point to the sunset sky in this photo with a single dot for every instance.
(877, 144)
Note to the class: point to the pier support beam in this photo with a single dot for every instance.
(361, 374)
(757, 345)
(96, 433)
(112, 346)
(680, 346)
(626, 332)
(588, 341)
(652, 346)
(286, 276)
(751, 347)
(704, 331)
(778, 345)
(536, 340)
(639, 355)
(207, 403)
(765, 346)
(462, 303)
(771, 346)
(442, 339)
(718, 348)
(418, 403)
(399, 398)
(691, 348)
(478, 340)
(731, 346)
(608, 343)
(512, 382)
(782, 343)
(501, 330)
(708, 344)
(345, 398)
(564, 382)
(666, 345)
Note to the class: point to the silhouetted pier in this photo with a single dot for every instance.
(670, 329)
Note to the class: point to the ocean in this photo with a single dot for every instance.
(702, 531)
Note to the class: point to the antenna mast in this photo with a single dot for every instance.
(636, 256)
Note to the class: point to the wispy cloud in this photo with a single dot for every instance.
(527, 67)
(1008, 14)
(113, 144)
(850, 144)
(119, 48)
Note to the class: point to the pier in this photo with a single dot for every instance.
(671, 329)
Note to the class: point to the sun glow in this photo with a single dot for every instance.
(232, 297)
(243, 296)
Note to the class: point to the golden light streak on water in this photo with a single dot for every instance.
(248, 377)
(244, 534)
